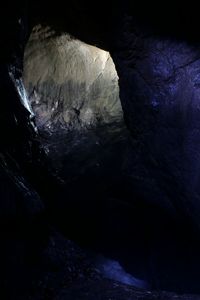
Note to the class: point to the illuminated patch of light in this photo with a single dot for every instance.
(154, 102)
(19, 85)
(112, 269)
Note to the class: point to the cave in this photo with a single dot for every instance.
(99, 159)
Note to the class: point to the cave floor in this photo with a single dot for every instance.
(108, 290)
(97, 209)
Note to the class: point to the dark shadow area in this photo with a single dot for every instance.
(100, 210)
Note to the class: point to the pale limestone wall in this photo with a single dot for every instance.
(70, 83)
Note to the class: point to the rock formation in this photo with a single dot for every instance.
(70, 84)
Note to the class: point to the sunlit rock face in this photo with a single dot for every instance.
(73, 91)
(70, 84)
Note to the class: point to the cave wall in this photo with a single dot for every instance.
(159, 90)
(70, 84)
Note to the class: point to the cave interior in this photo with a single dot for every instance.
(100, 150)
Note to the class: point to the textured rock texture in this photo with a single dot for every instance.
(159, 90)
(70, 84)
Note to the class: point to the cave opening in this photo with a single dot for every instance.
(73, 90)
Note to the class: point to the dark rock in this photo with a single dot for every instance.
(108, 290)
(160, 98)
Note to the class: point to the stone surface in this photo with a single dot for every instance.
(70, 84)
(108, 290)
(159, 90)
